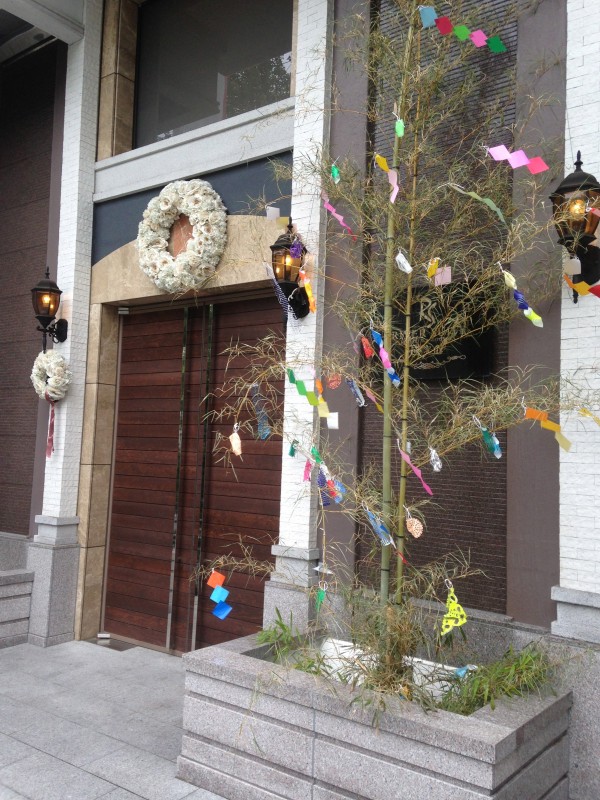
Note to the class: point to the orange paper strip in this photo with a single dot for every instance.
(533, 413)
(215, 579)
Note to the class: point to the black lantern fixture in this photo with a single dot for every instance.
(288, 254)
(45, 297)
(575, 209)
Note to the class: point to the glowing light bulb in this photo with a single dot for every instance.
(577, 208)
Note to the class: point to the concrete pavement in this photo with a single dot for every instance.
(80, 721)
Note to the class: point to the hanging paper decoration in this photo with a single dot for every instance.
(455, 615)
(335, 173)
(316, 455)
(430, 19)
(413, 526)
(367, 349)
(236, 442)
(402, 263)
(582, 288)
(380, 529)
(489, 439)
(322, 483)
(443, 276)
(318, 402)
(587, 413)
(281, 298)
(307, 288)
(360, 400)
(334, 381)
(433, 267)
(385, 359)
(510, 281)
(307, 469)
(328, 207)
(258, 401)
(373, 399)
(547, 424)
(435, 460)
(320, 597)
(292, 451)
(416, 470)
(485, 200)
(381, 162)
(518, 158)
(219, 594)
(399, 128)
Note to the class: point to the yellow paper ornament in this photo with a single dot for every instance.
(455, 615)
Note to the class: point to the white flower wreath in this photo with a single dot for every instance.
(207, 214)
(50, 376)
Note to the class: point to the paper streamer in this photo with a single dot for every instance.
(328, 207)
(585, 412)
(582, 288)
(455, 615)
(215, 581)
(381, 162)
(374, 400)
(258, 401)
(510, 281)
(385, 359)
(360, 400)
(313, 399)
(366, 346)
(416, 470)
(312, 304)
(281, 298)
(518, 159)
(430, 19)
(335, 174)
(485, 200)
(549, 425)
(380, 529)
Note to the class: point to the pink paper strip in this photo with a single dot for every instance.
(307, 469)
(328, 207)
(443, 276)
(518, 159)
(416, 470)
(478, 38)
(393, 179)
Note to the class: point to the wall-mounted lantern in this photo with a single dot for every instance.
(45, 297)
(576, 213)
(288, 254)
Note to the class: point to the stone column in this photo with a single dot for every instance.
(578, 595)
(297, 553)
(54, 552)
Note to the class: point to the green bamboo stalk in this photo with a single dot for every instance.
(387, 324)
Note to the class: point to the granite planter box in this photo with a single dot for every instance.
(254, 730)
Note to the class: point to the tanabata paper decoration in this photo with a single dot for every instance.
(219, 594)
(318, 402)
(322, 483)
(353, 386)
(235, 441)
(333, 421)
(509, 280)
(334, 381)
(336, 215)
(308, 289)
(430, 19)
(335, 173)
(374, 400)
(258, 401)
(435, 460)
(443, 276)
(221, 610)
(385, 359)
(518, 158)
(281, 298)
(316, 455)
(380, 529)
(585, 412)
(489, 439)
(413, 526)
(366, 346)
(215, 579)
(292, 452)
(582, 288)
(455, 613)
(402, 263)
(433, 267)
(405, 457)
(381, 162)
(320, 597)
(272, 212)
(485, 200)
(307, 469)
(547, 424)
(399, 128)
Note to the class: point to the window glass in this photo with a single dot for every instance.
(200, 61)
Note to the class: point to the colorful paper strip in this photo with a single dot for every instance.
(328, 207)
(416, 470)
(518, 158)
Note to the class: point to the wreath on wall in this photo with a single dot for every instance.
(198, 201)
(51, 378)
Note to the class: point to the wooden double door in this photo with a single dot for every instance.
(175, 504)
